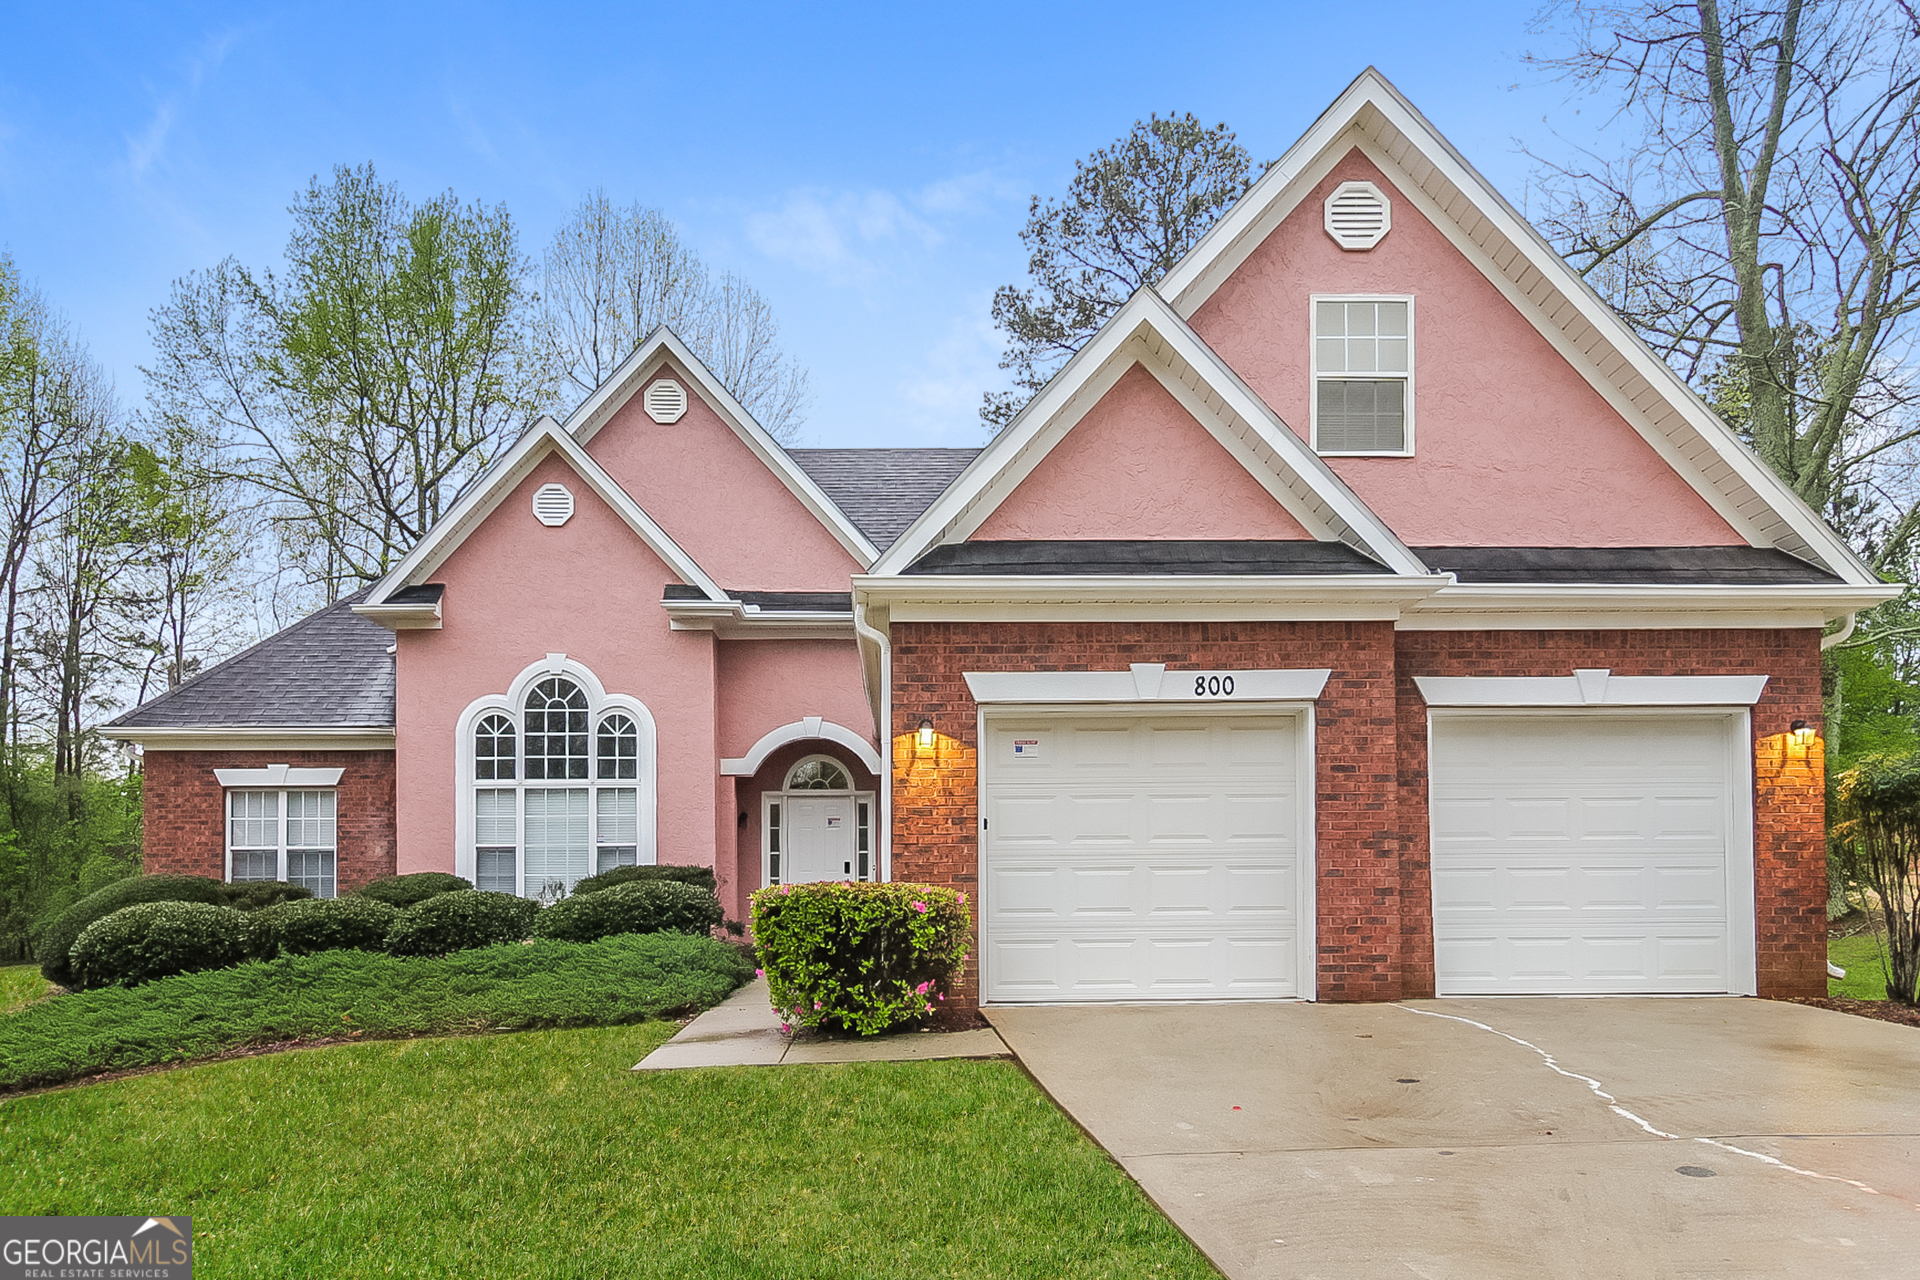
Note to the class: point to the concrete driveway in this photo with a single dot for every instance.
(1625, 1137)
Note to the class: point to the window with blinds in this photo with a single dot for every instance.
(1363, 375)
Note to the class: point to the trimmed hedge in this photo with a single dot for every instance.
(460, 921)
(406, 891)
(160, 939)
(257, 895)
(698, 877)
(325, 924)
(56, 943)
(860, 958)
(659, 906)
(365, 994)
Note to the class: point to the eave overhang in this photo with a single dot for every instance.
(1222, 598)
(734, 619)
(1547, 606)
(255, 737)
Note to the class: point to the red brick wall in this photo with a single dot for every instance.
(936, 816)
(185, 815)
(1790, 865)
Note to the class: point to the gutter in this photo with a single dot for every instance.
(1828, 642)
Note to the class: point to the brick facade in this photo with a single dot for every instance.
(1375, 897)
(186, 822)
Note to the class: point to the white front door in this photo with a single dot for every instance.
(818, 838)
(1131, 857)
(1591, 854)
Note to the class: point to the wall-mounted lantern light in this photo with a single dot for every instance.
(1802, 731)
(926, 733)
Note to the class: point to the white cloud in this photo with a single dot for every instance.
(838, 236)
(150, 144)
(943, 394)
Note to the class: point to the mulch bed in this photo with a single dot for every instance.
(1880, 1010)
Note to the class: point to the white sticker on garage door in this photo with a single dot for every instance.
(1025, 747)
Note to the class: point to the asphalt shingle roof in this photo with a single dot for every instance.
(1125, 556)
(1599, 566)
(331, 669)
(883, 490)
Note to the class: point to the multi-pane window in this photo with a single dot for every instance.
(284, 835)
(1362, 375)
(773, 843)
(575, 810)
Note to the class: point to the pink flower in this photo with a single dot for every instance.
(921, 907)
(816, 1004)
(943, 997)
(759, 973)
(922, 988)
(963, 899)
(929, 1008)
(786, 1026)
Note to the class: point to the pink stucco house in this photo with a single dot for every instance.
(1365, 612)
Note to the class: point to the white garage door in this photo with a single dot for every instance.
(1142, 857)
(1589, 854)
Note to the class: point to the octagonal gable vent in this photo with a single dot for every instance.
(665, 401)
(553, 505)
(1358, 215)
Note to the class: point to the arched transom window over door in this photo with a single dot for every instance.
(817, 827)
(562, 784)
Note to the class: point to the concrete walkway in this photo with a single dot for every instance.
(1481, 1139)
(743, 1031)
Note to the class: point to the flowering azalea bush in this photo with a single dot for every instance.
(859, 958)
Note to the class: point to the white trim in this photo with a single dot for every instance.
(510, 704)
(770, 798)
(280, 796)
(248, 738)
(1591, 687)
(1492, 606)
(1148, 682)
(1147, 332)
(1346, 240)
(278, 775)
(1316, 375)
(1307, 973)
(1373, 115)
(406, 616)
(639, 368)
(1742, 901)
(1209, 598)
(515, 465)
(876, 677)
(810, 728)
(737, 620)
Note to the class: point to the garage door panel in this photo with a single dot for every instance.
(1581, 853)
(1193, 896)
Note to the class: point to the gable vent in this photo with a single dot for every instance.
(1358, 216)
(665, 401)
(553, 505)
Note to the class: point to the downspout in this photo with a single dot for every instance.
(1840, 636)
(881, 700)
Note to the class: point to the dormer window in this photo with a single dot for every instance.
(1363, 375)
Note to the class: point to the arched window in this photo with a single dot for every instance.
(818, 773)
(562, 784)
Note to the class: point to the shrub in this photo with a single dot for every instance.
(57, 941)
(698, 877)
(365, 994)
(659, 906)
(460, 921)
(859, 957)
(326, 924)
(254, 895)
(159, 939)
(411, 890)
(1875, 837)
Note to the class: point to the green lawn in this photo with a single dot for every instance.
(1860, 956)
(20, 985)
(539, 1154)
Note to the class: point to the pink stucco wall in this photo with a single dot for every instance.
(1513, 448)
(706, 488)
(517, 591)
(768, 683)
(1139, 466)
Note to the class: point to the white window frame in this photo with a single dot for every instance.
(511, 704)
(1316, 377)
(770, 798)
(280, 820)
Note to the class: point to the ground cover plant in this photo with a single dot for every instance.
(365, 994)
(542, 1154)
(859, 958)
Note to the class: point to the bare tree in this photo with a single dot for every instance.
(1757, 227)
(613, 275)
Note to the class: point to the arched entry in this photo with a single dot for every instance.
(817, 826)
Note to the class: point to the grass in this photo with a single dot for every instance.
(618, 980)
(21, 985)
(1860, 956)
(540, 1154)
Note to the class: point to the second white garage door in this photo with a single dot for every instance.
(1130, 857)
(1590, 854)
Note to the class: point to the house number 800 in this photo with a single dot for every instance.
(1212, 686)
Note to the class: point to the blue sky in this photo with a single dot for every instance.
(866, 167)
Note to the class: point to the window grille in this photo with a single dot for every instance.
(1363, 368)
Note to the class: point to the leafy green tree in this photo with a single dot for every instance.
(1132, 210)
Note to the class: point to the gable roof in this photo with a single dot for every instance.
(1147, 332)
(1373, 116)
(547, 437)
(662, 346)
(331, 669)
(883, 490)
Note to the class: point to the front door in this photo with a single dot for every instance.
(818, 838)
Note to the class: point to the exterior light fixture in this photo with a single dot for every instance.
(1801, 730)
(926, 733)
